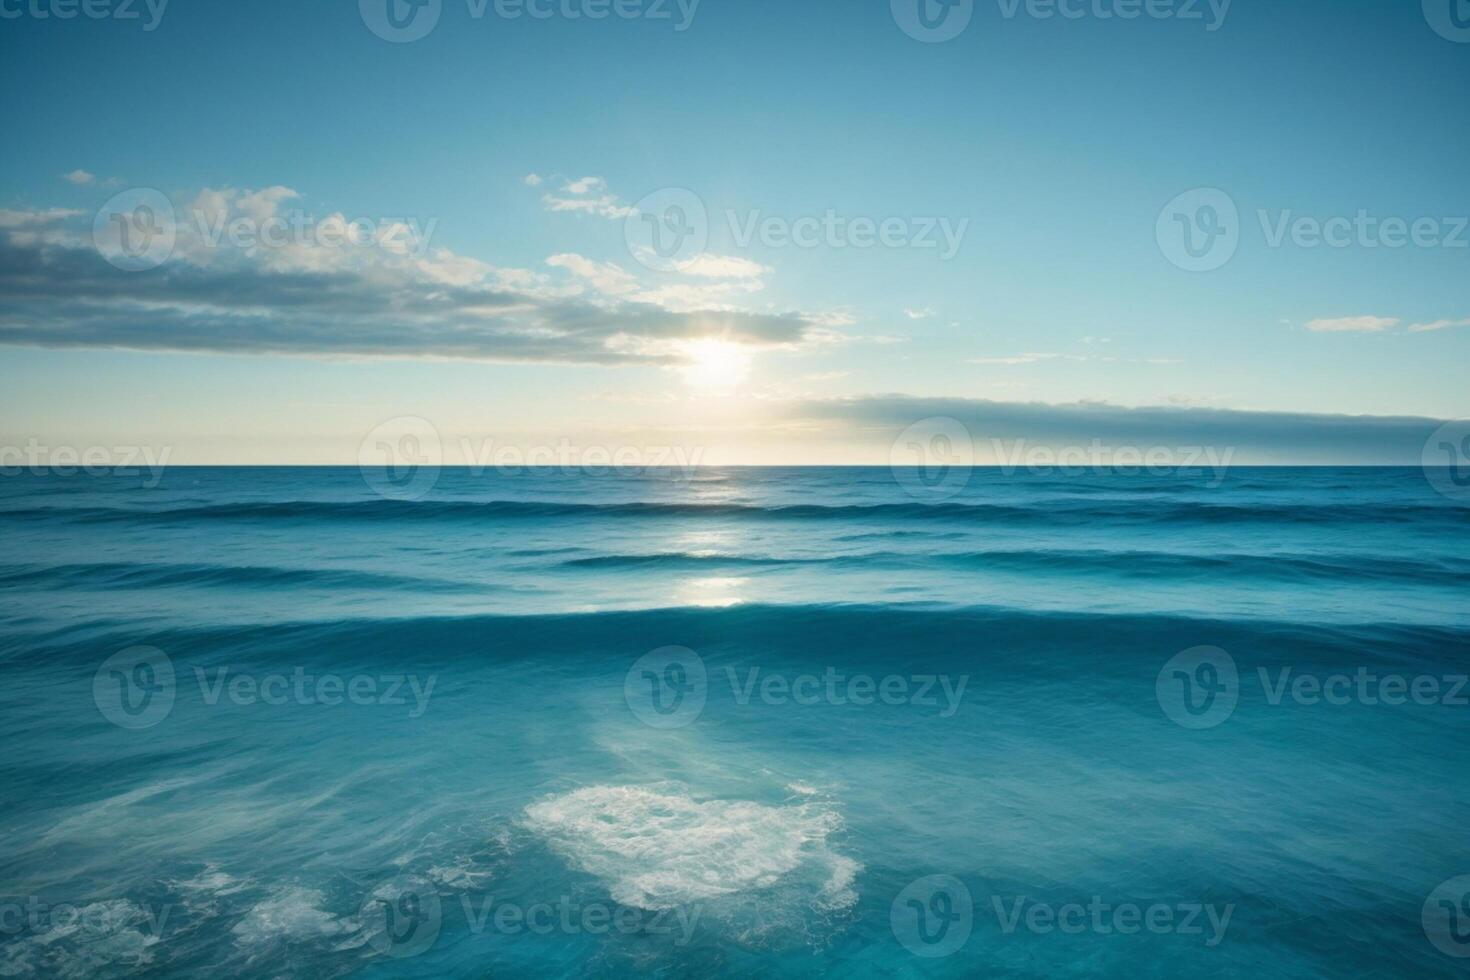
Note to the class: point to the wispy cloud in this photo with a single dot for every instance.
(372, 299)
(1354, 324)
(1438, 325)
(79, 177)
(583, 196)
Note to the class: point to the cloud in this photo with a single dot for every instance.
(1438, 325)
(35, 219)
(1036, 358)
(1017, 359)
(1256, 437)
(585, 185)
(608, 277)
(573, 198)
(724, 267)
(607, 206)
(1354, 324)
(309, 297)
(923, 314)
(532, 180)
(79, 177)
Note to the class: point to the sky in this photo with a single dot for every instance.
(766, 231)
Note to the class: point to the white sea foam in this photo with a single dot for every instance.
(660, 849)
(290, 913)
(98, 935)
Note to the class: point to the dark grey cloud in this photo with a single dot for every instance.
(1256, 437)
(63, 295)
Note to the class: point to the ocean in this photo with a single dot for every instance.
(734, 723)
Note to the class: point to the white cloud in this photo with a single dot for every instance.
(79, 177)
(1016, 359)
(1353, 324)
(607, 277)
(35, 219)
(585, 185)
(923, 314)
(606, 206)
(1438, 325)
(724, 267)
(533, 180)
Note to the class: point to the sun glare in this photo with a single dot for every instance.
(715, 364)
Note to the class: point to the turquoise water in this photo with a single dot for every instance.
(755, 722)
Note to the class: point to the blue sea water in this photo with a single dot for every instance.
(746, 723)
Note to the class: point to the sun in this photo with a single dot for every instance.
(715, 365)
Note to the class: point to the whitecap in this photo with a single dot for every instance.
(289, 913)
(661, 849)
(89, 939)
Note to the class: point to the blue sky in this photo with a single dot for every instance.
(1052, 143)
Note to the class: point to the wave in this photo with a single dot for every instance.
(1069, 511)
(1297, 568)
(130, 575)
(877, 635)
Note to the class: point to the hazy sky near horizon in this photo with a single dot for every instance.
(779, 231)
